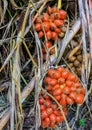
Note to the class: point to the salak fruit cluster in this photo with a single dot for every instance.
(66, 88)
(50, 23)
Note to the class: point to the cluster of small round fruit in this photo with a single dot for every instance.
(49, 26)
(65, 88)
(50, 23)
(50, 113)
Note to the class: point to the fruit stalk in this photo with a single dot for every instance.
(59, 4)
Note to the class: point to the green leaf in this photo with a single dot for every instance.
(82, 122)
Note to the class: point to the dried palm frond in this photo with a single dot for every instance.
(22, 67)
